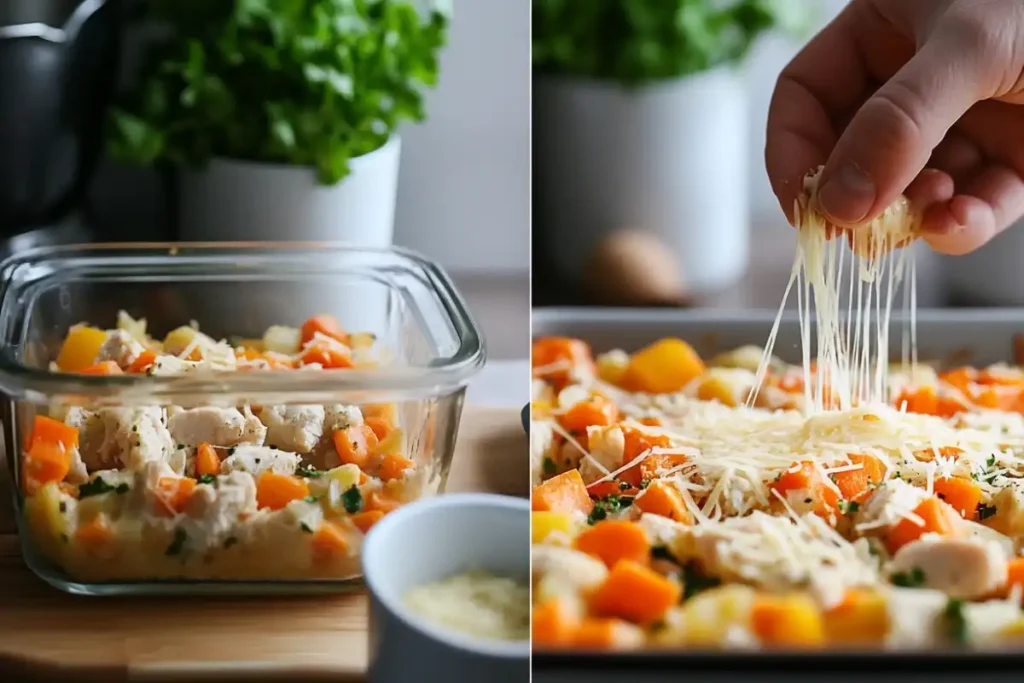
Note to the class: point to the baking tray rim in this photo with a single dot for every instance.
(625, 316)
(779, 663)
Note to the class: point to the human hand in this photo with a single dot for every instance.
(916, 97)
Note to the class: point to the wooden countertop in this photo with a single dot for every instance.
(46, 635)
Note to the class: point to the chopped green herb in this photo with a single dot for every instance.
(913, 579)
(660, 552)
(644, 483)
(955, 622)
(312, 499)
(986, 511)
(849, 507)
(308, 471)
(305, 527)
(695, 581)
(352, 500)
(98, 486)
(609, 505)
(991, 461)
(624, 486)
(177, 544)
(549, 466)
(207, 479)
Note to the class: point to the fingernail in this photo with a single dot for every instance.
(847, 196)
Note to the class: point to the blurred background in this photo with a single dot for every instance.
(649, 180)
(375, 123)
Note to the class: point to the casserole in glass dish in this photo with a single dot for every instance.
(224, 418)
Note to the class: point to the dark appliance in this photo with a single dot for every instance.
(58, 70)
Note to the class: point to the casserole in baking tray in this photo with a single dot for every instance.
(586, 433)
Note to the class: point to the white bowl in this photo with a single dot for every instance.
(430, 540)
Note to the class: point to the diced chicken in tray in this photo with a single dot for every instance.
(224, 490)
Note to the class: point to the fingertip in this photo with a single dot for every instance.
(958, 226)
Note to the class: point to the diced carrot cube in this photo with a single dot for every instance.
(661, 498)
(326, 325)
(636, 593)
(614, 540)
(565, 492)
(394, 467)
(938, 518)
(275, 491)
(207, 461)
(365, 520)
(172, 494)
(329, 541)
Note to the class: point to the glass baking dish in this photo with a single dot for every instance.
(244, 523)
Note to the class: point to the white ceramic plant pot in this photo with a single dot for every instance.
(244, 201)
(991, 276)
(669, 158)
(233, 200)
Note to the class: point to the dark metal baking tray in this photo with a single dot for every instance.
(979, 336)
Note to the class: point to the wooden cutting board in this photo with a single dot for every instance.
(46, 635)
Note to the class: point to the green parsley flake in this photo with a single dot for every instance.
(178, 543)
(915, 578)
(352, 500)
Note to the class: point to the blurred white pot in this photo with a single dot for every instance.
(242, 201)
(246, 201)
(991, 276)
(669, 158)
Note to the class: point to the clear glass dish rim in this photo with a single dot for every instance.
(21, 382)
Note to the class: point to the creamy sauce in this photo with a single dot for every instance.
(477, 604)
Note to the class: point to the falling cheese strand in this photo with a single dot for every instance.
(850, 363)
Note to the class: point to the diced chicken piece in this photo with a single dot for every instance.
(337, 416)
(607, 446)
(542, 438)
(90, 438)
(215, 510)
(215, 426)
(988, 622)
(295, 428)
(172, 365)
(887, 506)
(582, 570)
(120, 347)
(914, 617)
(131, 436)
(661, 531)
(79, 473)
(258, 459)
(965, 569)
(566, 575)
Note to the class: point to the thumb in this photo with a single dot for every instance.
(889, 140)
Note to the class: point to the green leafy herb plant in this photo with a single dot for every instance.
(638, 42)
(311, 83)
